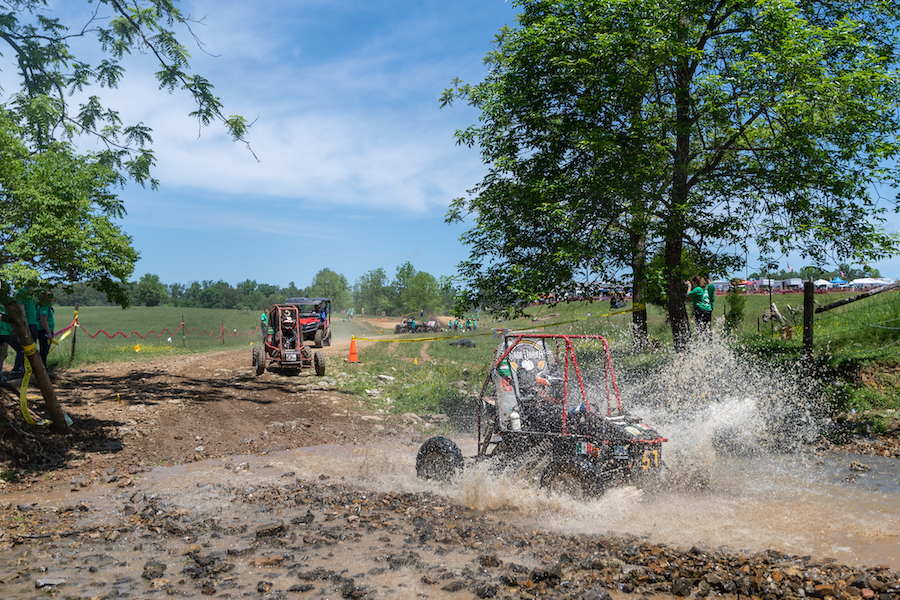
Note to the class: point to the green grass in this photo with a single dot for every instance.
(143, 333)
(857, 347)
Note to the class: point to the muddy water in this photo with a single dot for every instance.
(798, 504)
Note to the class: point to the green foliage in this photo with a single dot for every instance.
(410, 291)
(51, 77)
(736, 300)
(328, 284)
(149, 291)
(844, 271)
(59, 218)
(617, 131)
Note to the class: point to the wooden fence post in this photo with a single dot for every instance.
(809, 308)
(74, 333)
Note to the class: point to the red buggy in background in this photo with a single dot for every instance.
(315, 319)
(282, 345)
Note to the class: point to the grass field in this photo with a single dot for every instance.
(858, 343)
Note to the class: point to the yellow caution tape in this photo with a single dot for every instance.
(636, 307)
(23, 390)
(23, 399)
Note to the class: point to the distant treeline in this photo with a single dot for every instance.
(373, 293)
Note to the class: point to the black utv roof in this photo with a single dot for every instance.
(306, 300)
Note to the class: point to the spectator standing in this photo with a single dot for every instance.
(46, 325)
(699, 296)
(711, 290)
(25, 297)
(8, 339)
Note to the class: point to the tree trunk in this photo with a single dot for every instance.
(681, 331)
(678, 206)
(639, 315)
(20, 328)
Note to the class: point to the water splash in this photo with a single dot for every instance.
(715, 398)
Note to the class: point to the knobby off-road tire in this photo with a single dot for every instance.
(318, 338)
(327, 341)
(259, 360)
(439, 459)
(319, 363)
(572, 476)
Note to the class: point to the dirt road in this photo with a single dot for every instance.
(89, 519)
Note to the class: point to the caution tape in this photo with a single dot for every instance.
(23, 398)
(221, 332)
(497, 332)
(23, 392)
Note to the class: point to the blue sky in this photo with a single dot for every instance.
(357, 162)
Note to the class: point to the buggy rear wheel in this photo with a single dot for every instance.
(439, 458)
(259, 360)
(319, 363)
(572, 476)
(327, 340)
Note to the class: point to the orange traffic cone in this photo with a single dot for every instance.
(353, 356)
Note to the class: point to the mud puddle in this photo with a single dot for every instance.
(353, 521)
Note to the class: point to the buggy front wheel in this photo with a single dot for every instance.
(259, 360)
(317, 339)
(572, 476)
(319, 363)
(439, 458)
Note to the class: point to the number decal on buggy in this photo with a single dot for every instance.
(650, 459)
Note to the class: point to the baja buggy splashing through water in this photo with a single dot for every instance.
(535, 403)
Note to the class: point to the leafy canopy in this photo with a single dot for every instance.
(52, 102)
(616, 130)
(59, 219)
(59, 211)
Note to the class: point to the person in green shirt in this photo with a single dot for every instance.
(25, 297)
(46, 325)
(711, 290)
(8, 339)
(699, 296)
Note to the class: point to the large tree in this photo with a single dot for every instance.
(59, 212)
(372, 292)
(53, 102)
(328, 284)
(615, 130)
(149, 291)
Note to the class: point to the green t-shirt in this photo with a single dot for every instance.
(711, 292)
(27, 300)
(5, 328)
(48, 311)
(700, 298)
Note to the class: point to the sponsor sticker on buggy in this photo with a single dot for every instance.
(584, 448)
(620, 452)
(633, 430)
(527, 354)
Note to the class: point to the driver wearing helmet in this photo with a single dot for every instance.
(288, 339)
